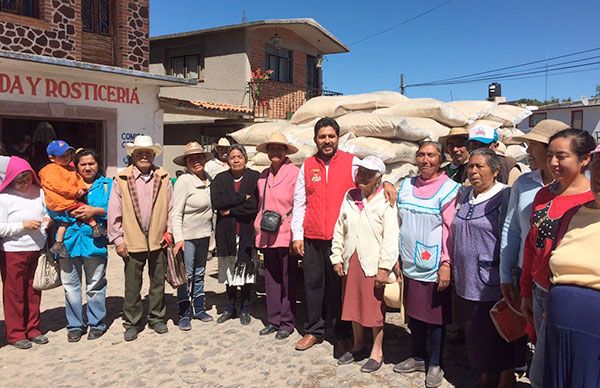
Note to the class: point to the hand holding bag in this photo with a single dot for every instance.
(47, 273)
(176, 275)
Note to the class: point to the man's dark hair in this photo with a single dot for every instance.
(327, 122)
(3, 151)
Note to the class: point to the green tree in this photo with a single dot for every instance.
(597, 91)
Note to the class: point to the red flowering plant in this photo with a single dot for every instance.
(257, 77)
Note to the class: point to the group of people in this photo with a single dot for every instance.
(457, 236)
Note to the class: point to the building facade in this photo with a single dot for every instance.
(225, 61)
(77, 70)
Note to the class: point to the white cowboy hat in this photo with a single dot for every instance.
(192, 148)
(143, 142)
(277, 138)
(223, 142)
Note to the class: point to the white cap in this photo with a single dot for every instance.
(370, 162)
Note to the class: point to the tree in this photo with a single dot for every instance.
(597, 91)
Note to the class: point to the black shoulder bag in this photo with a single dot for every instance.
(270, 220)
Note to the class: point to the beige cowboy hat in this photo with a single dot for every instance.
(143, 142)
(277, 138)
(392, 295)
(543, 131)
(456, 131)
(191, 148)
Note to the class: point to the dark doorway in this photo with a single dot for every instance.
(28, 138)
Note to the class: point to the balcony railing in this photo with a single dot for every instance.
(279, 100)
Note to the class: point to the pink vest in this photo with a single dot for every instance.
(324, 195)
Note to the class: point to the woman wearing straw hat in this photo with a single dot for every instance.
(276, 194)
(192, 226)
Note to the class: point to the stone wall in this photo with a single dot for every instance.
(58, 33)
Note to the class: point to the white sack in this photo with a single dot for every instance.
(518, 152)
(506, 134)
(388, 151)
(257, 133)
(508, 115)
(395, 172)
(428, 108)
(472, 110)
(298, 158)
(336, 106)
(378, 125)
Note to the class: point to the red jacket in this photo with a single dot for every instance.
(547, 214)
(325, 193)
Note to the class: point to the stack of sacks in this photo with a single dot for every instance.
(386, 124)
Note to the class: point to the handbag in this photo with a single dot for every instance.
(47, 273)
(270, 220)
(510, 323)
(176, 274)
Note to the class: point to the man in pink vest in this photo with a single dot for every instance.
(322, 183)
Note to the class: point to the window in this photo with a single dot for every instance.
(29, 8)
(536, 118)
(577, 119)
(187, 66)
(280, 61)
(95, 16)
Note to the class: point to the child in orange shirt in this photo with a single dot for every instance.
(64, 191)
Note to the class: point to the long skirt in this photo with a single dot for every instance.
(486, 350)
(572, 337)
(362, 301)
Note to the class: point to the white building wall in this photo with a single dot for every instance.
(591, 118)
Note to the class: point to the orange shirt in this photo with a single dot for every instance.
(60, 184)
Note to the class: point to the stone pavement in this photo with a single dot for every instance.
(210, 355)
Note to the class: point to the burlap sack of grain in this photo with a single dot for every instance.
(508, 115)
(256, 133)
(395, 172)
(472, 110)
(428, 108)
(506, 135)
(380, 125)
(336, 106)
(304, 152)
(389, 151)
(421, 124)
(488, 123)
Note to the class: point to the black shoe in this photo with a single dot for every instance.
(269, 329)
(227, 315)
(73, 335)
(283, 334)
(160, 327)
(370, 366)
(40, 340)
(130, 334)
(245, 318)
(95, 334)
(350, 356)
(22, 344)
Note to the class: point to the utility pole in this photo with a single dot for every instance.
(402, 85)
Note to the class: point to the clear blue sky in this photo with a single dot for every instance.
(462, 37)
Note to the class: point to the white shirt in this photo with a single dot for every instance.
(215, 166)
(299, 210)
(495, 189)
(15, 208)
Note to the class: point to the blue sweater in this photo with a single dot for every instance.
(517, 223)
(78, 237)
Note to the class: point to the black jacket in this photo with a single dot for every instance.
(242, 210)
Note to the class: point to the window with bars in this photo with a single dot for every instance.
(186, 66)
(280, 61)
(29, 8)
(95, 16)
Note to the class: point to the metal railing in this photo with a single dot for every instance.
(279, 100)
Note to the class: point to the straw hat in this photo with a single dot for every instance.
(456, 131)
(191, 148)
(543, 131)
(143, 142)
(392, 295)
(501, 149)
(277, 138)
(223, 142)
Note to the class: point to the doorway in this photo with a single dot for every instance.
(28, 137)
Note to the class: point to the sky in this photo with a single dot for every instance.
(459, 38)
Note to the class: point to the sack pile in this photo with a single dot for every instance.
(386, 124)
